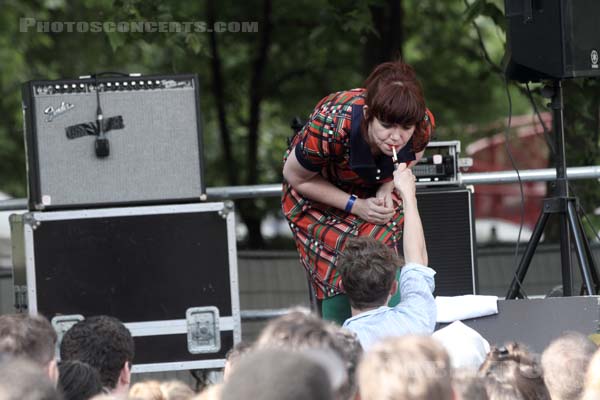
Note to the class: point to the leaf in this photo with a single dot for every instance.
(193, 42)
(54, 4)
(116, 40)
(495, 13)
(474, 10)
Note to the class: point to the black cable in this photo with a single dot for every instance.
(514, 165)
(101, 144)
(99, 115)
(539, 115)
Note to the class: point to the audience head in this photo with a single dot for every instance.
(104, 343)
(277, 374)
(406, 368)
(467, 385)
(592, 379)
(350, 354)
(212, 392)
(146, 390)
(78, 380)
(514, 365)
(22, 379)
(233, 356)
(497, 390)
(368, 270)
(300, 330)
(155, 390)
(176, 390)
(564, 363)
(31, 337)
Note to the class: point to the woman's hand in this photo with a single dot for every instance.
(385, 192)
(373, 210)
(404, 181)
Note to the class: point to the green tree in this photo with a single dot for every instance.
(252, 84)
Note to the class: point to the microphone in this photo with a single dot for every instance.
(101, 145)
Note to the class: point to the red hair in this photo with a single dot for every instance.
(395, 96)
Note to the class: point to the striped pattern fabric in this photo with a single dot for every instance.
(321, 231)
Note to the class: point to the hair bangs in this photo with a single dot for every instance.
(398, 103)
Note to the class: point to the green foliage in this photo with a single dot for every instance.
(315, 47)
(463, 88)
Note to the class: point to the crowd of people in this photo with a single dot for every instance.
(296, 356)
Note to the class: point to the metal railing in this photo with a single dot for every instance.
(274, 190)
(477, 178)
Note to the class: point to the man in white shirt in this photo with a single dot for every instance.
(368, 270)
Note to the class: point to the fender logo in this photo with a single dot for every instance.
(52, 113)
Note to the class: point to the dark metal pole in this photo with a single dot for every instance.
(579, 237)
(515, 286)
(562, 188)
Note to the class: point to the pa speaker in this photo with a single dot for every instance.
(552, 39)
(147, 148)
(447, 217)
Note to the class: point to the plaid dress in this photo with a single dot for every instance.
(331, 143)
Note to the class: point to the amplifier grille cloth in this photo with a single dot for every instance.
(155, 157)
(447, 222)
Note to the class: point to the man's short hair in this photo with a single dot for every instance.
(276, 374)
(564, 363)
(406, 368)
(300, 330)
(102, 342)
(368, 270)
(21, 379)
(78, 380)
(27, 336)
(233, 357)
(297, 330)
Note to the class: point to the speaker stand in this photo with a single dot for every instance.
(566, 207)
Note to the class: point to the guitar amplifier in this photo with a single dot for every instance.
(146, 149)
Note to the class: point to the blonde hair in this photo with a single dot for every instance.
(406, 368)
(176, 390)
(212, 392)
(592, 379)
(564, 363)
(147, 390)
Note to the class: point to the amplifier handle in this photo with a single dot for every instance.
(108, 73)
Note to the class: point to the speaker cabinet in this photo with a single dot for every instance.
(447, 217)
(552, 39)
(147, 266)
(153, 132)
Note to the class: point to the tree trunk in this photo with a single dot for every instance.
(218, 87)
(386, 44)
(257, 93)
(257, 84)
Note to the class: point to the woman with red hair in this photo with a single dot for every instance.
(338, 170)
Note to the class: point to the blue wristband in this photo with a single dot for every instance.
(350, 203)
